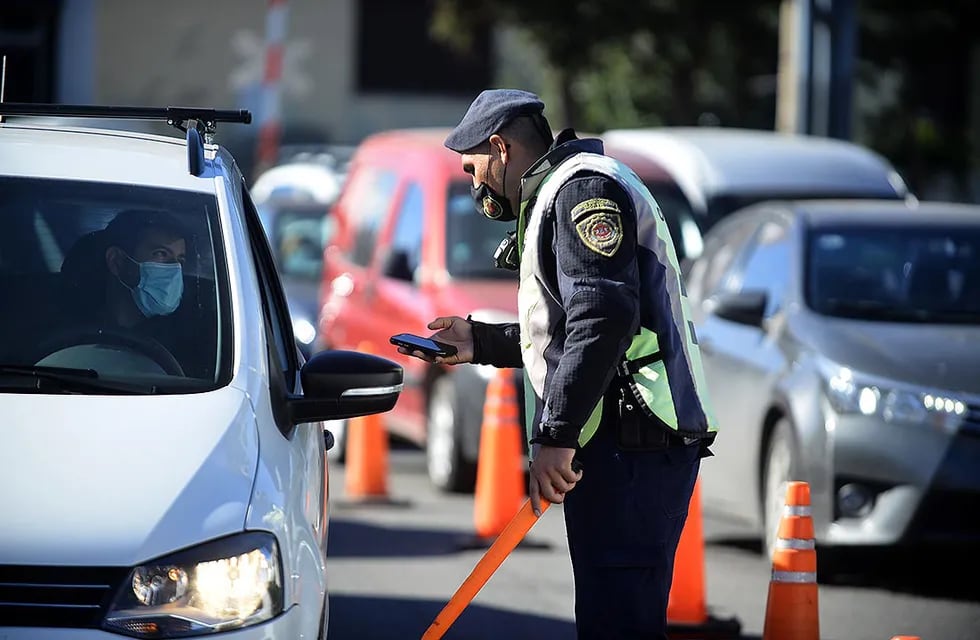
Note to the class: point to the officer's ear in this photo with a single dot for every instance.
(501, 145)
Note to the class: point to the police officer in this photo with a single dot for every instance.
(608, 350)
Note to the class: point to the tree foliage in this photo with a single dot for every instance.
(641, 62)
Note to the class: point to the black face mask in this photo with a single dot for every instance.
(492, 204)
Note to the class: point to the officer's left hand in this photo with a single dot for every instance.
(552, 476)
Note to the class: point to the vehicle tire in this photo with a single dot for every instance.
(779, 467)
(447, 466)
(338, 452)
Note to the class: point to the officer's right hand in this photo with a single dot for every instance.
(451, 330)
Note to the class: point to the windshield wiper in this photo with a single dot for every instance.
(877, 310)
(68, 380)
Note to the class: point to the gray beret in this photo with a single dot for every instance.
(488, 114)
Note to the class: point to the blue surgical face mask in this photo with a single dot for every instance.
(160, 287)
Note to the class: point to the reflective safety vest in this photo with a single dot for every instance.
(662, 365)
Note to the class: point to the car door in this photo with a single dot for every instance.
(399, 305)
(349, 318)
(742, 361)
(302, 445)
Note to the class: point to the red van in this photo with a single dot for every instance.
(410, 246)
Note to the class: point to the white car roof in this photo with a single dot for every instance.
(99, 155)
(711, 160)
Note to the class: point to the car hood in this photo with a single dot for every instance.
(461, 297)
(932, 356)
(118, 480)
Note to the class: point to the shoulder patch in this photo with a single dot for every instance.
(593, 204)
(601, 231)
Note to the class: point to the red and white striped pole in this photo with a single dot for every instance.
(270, 119)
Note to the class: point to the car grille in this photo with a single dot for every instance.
(45, 596)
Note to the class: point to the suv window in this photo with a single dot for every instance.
(121, 280)
(369, 199)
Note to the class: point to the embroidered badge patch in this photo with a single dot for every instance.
(599, 225)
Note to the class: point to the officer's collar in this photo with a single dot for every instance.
(566, 145)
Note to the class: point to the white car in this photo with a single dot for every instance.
(162, 450)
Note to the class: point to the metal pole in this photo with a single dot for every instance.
(270, 116)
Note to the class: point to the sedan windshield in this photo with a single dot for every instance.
(109, 288)
(908, 274)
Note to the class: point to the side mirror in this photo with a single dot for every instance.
(746, 307)
(345, 384)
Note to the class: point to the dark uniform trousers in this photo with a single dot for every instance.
(623, 521)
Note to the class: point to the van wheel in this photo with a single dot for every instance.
(778, 470)
(448, 468)
(338, 452)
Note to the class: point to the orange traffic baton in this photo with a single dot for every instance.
(494, 556)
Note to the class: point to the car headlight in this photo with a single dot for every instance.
(853, 393)
(226, 584)
(304, 330)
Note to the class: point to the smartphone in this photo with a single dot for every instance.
(427, 346)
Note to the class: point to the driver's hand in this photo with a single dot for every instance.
(451, 330)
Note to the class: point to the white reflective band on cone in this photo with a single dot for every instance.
(795, 543)
(794, 576)
(802, 510)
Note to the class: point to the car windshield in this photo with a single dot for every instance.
(471, 238)
(298, 236)
(895, 274)
(110, 288)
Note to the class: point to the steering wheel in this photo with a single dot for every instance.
(131, 341)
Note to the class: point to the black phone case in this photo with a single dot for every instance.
(447, 349)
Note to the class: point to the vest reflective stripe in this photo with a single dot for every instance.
(540, 308)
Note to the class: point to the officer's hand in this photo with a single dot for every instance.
(552, 476)
(451, 330)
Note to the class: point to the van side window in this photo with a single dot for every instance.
(371, 193)
(406, 243)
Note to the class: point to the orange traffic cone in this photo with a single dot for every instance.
(687, 608)
(499, 488)
(792, 611)
(366, 462)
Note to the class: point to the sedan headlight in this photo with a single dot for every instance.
(852, 393)
(226, 584)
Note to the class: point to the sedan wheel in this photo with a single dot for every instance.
(777, 472)
(448, 470)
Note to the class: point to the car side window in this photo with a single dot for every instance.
(273, 300)
(405, 255)
(764, 265)
(722, 245)
(371, 193)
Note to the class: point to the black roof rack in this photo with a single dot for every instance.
(176, 116)
(202, 121)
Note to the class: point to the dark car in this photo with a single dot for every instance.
(840, 342)
(299, 231)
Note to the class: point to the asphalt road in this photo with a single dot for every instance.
(394, 565)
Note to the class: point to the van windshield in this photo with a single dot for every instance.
(471, 238)
(121, 286)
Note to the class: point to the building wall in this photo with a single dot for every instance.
(211, 53)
